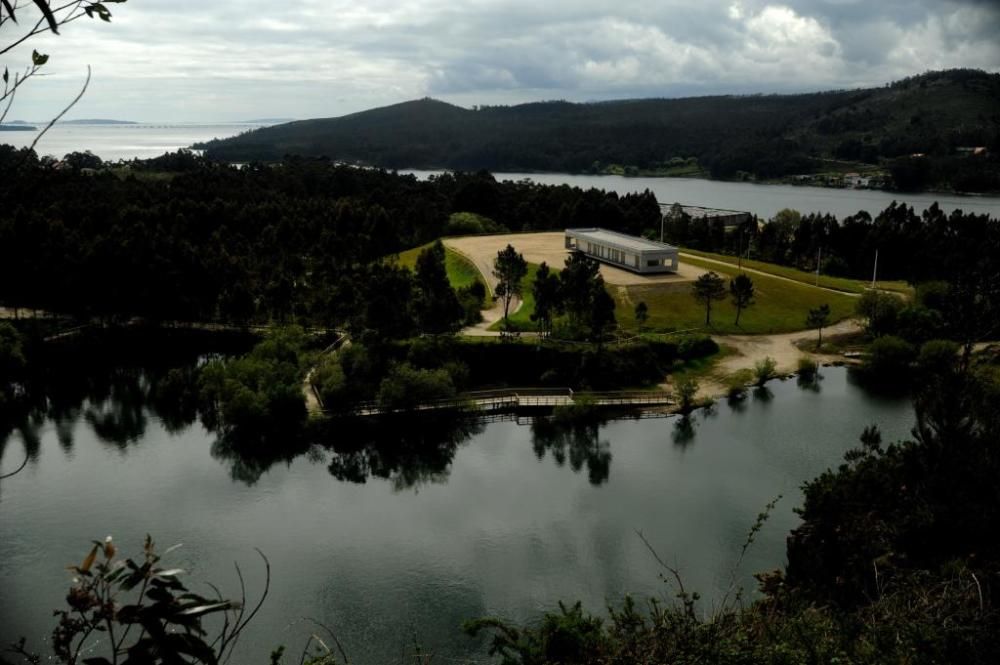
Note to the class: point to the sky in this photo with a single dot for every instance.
(233, 60)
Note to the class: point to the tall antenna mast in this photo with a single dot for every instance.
(819, 258)
(875, 270)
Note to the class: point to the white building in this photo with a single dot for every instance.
(624, 251)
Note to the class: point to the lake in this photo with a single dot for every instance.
(761, 200)
(113, 142)
(409, 530)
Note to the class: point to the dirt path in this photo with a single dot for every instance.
(550, 247)
(723, 264)
(749, 349)
(483, 261)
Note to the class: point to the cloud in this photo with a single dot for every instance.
(229, 59)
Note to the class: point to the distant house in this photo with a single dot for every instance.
(731, 219)
(972, 150)
(623, 251)
(856, 180)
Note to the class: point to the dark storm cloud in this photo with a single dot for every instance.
(185, 60)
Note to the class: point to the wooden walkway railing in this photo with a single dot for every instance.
(519, 399)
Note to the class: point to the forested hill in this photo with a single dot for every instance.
(766, 136)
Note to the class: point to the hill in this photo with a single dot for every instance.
(765, 136)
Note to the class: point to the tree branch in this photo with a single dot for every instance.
(63, 112)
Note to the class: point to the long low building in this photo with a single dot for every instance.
(730, 219)
(624, 251)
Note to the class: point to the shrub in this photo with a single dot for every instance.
(406, 386)
(764, 370)
(888, 358)
(807, 367)
(696, 346)
(686, 390)
(880, 311)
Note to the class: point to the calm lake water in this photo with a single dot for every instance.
(113, 142)
(410, 536)
(762, 200)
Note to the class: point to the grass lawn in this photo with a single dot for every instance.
(780, 306)
(461, 271)
(826, 281)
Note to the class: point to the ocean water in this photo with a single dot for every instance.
(114, 142)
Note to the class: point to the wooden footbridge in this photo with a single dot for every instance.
(518, 400)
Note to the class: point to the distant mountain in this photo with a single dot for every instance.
(97, 121)
(765, 136)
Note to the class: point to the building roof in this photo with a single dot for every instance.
(701, 211)
(620, 240)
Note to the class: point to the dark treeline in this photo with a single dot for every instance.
(916, 247)
(937, 116)
(304, 240)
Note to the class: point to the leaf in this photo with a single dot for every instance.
(43, 7)
(39, 59)
(173, 572)
(6, 75)
(89, 561)
(200, 610)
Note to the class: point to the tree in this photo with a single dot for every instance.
(817, 318)
(545, 290)
(686, 390)
(602, 312)
(641, 313)
(880, 310)
(576, 286)
(742, 291)
(707, 289)
(436, 306)
(509, 268)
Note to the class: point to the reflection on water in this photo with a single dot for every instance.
(408, 526)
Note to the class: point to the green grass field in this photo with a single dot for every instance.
(780, 306)
(461, 271)
(825, 281)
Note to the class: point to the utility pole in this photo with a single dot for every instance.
(662, 217)
(875, 270)
(740, 253)
(819, 259)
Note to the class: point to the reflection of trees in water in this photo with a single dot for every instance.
(408, 451)
(809, 381)
(115, 385)
(574, 437)
(683, 433)
(248, 460)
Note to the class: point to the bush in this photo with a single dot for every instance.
(880, 311)
(696, 346)
(764, 370)
(472, 298)
(686, 390)
(261, 392)
(807, 367)
(406, 387)
(889, 358)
